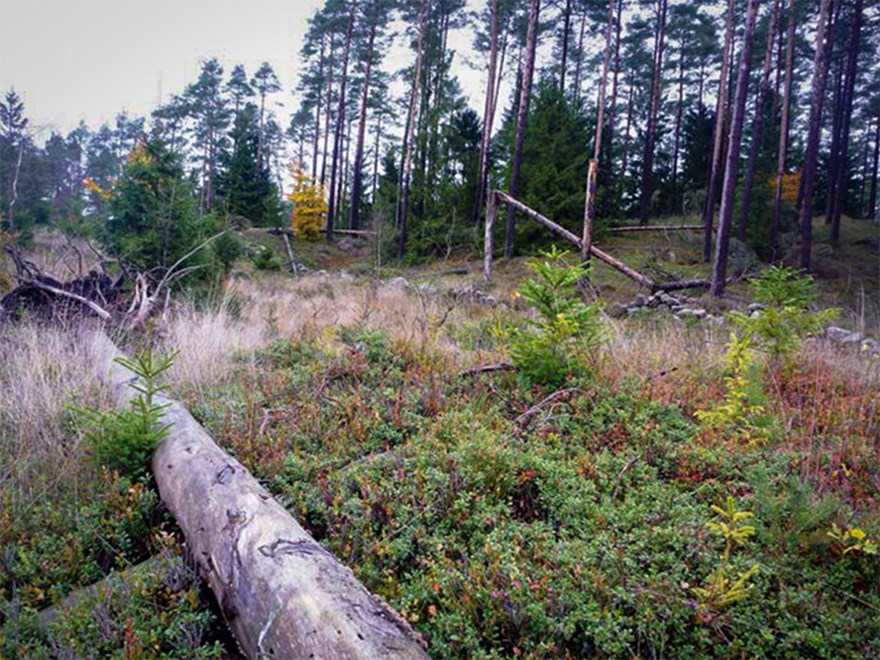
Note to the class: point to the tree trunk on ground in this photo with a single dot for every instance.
(783, 135)
(281, 593)
(715, 168)
(838, 189)
(488, 115)
(647, 191)
(731, 171)
(758, 125)
(332, 207)
(357, 175)
(820, 77)
(522, 114)
(409, 136)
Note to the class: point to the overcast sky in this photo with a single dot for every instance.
(90, 59)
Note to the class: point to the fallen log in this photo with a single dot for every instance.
(682, 284)
(165, 568)
(620, 230)
(282, 594)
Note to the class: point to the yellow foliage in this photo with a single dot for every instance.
(790, 185)
(139, 155)
(93, 186)
(309, 205)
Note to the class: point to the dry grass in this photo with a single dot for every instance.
(43, 373)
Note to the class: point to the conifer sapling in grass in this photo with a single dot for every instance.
(557, 342)
(125, 440)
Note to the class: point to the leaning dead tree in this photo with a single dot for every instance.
(496, 198)
(281, 593)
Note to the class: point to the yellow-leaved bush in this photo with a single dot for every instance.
(309, 205)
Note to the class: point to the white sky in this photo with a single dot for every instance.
(88, 60)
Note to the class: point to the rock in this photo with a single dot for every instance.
(428, 289)
(617, 311)
(637, 311)
(640, 301)
(842, 336)
(400, 283)
(871, 347)
(692, 312)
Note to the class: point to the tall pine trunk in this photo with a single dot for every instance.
(357, 175)
(836, 125)
(592, 172)
(758, 125)
(718, 141)
(783, 134)
(578, 67)
(522, 115)
(328, 114)
(838, 187)
(731, 171)
(333, 206)
(318, 113)
(872, 201)
(629, 114)
(409, 136)
(611, 185)
(824, 44)
(647, 191)
(566, 30)
(488, 115)
(677, 129)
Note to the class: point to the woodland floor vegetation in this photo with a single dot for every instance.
(501, 513)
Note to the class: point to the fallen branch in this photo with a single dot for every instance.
(682, 284)
(97, 309)
(620, 475)
(534, 410)
(486, 369)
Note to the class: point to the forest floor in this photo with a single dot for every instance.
(501, 518)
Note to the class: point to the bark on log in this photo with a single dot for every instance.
(282, 594)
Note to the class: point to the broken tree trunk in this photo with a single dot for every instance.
(574, 240)
(282, 594)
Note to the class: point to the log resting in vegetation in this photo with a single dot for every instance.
(282, 594)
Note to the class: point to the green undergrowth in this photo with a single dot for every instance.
(507, 519)
(73, 538)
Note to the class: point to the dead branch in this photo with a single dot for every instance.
(488, 368)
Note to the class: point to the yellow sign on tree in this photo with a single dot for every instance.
(309, 205)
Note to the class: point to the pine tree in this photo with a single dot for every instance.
(244, 184)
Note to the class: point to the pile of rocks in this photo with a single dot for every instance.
(845, 337)
(680, 307)
(465, 293)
